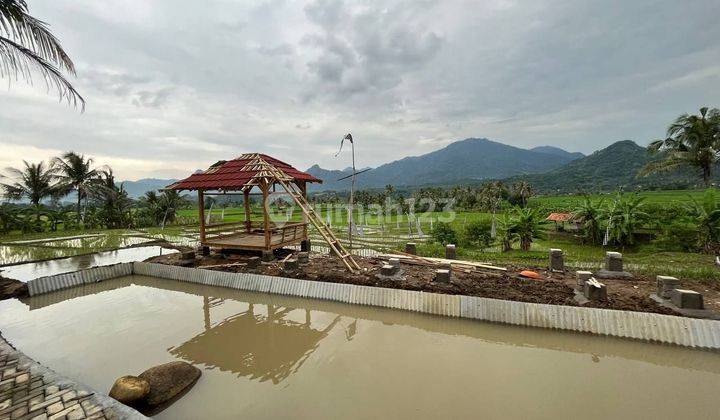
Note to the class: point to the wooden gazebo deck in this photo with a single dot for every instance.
(230, 236)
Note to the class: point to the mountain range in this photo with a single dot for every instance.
(465, 161)
(476, 160)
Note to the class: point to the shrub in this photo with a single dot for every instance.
(477, 233)
(444, 234)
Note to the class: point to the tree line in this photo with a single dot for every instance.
(99, 201)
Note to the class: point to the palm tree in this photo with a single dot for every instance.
(35, 182)
(589, 213)
(527, 225)
(26, 43)
(522, 190)
(77, 174)
(692, 140)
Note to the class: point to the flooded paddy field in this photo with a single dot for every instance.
(31, 270)
(270, 356)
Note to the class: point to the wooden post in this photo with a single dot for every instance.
(201, 213)
(248, 223)
(266, 217)
(303, 189)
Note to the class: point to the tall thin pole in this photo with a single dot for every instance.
(352, 195)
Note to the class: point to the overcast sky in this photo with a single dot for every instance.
(172, 86)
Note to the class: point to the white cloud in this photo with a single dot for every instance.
(173, 86)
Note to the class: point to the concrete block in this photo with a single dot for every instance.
(594, 290)
(291, 264)
(411, 248)
(388, 270)
(253, 262)
(557, 260)
(665, 286)
(395, 262)
(450, 252)
(442, 276)
(268, 256)
(582, 277)
(613, 261)
(303, 257)
(687, 299)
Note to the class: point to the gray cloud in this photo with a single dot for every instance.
(176, 84)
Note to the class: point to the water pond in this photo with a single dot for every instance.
(267, 357)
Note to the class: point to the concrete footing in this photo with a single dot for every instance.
(450, 252)
(582, 277)
(557, 260)
(594, 290)
(395, 262)
(291, 264)
(253, 262)
(305, 245)
(613, 261)
(665, 286)
(687, 299)
(303, 257)
(268, 256)
(411, 248)
(442, 276)
(388, 270)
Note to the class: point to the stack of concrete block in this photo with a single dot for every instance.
(450, 252)
(557, 260)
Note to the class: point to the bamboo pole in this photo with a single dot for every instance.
(248, 223)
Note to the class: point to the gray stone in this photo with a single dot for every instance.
(395, 262)
(388, 270)
(687, 299)
(411, 248)
(450, 252)
(253, 262)
(557, 260)
(168, 380)
(442, 276)
(665, 286)
(303, 257)
(291, 264)
(613, 261)
(594, 290)
(582, 277)
(129, 389)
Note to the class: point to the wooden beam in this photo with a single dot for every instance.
(201, 213)
(248, 223)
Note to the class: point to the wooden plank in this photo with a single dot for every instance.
(444, 261)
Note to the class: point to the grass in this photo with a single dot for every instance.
(392, 232)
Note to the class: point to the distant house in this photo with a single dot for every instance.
(560, 219)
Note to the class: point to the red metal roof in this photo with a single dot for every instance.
(559, 217)
(229, 175)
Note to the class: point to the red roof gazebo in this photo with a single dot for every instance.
(241, 175)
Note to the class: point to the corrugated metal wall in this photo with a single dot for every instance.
(638, 325)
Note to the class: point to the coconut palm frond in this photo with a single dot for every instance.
(17, 61)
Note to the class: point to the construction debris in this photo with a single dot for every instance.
(594, 290)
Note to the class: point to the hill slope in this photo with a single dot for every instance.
(467, 160)
(552, 150)
(136, 189)
(606, 170)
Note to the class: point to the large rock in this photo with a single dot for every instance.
(168, 380)
(130, 389)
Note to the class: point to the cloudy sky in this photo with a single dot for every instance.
(172, 86)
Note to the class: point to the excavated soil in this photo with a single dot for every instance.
(554, 288)
(10, 288)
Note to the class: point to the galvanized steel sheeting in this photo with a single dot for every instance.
(682, 331)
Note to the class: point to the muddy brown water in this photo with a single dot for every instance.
(32, 270)
(268, 356)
